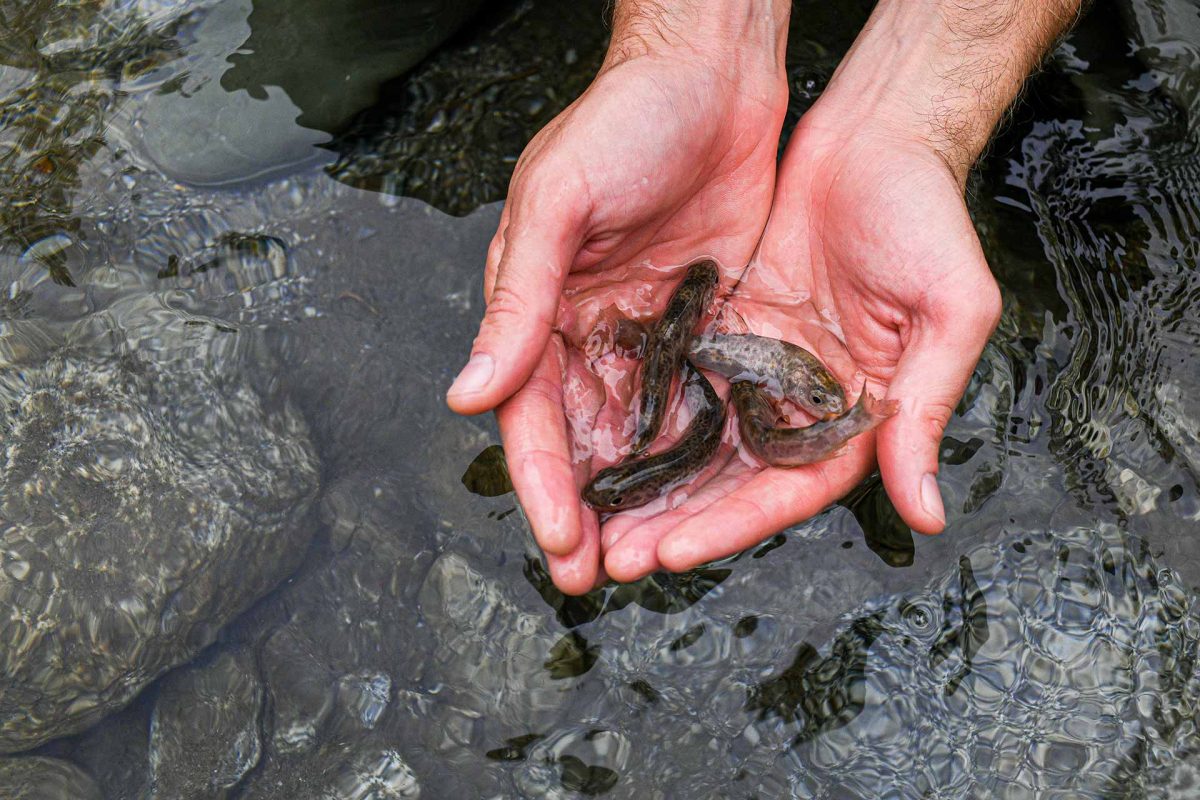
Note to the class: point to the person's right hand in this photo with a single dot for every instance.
(669, 155)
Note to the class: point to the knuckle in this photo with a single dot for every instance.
(987, 307)
(541, 389)
(513, 310)
(935, 416)
(506, 303)
(972, 308)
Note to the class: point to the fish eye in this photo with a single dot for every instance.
(817, 399)
(617, 500)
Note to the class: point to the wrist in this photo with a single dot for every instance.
(742, 40)
(941, 73)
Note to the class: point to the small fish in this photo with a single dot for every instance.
(791, 447)
(635, 482)
(784, 368)
(668, 347)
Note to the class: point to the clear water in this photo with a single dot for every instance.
(245, 552)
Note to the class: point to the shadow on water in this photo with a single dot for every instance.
(661, 593)
(248, 553)
(884, 532)
(487, 475)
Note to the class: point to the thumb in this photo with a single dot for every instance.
(540, 243)
(929, 381)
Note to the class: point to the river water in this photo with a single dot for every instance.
(245, 551)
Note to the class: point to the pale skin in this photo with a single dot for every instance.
(670, 155)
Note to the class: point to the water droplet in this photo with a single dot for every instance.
(917, 616)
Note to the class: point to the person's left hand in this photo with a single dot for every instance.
(869, 233)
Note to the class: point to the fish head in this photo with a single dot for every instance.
(824, 399)
(621, 486)
(614, 488)
(704, 276)
(705, 273)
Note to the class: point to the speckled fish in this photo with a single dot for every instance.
(784, 368)
(635, 482)
(668, 346)
(791, 447)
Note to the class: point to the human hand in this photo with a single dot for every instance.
(868, 234)
(870, 237)
(669, 155)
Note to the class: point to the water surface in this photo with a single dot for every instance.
(245, 552)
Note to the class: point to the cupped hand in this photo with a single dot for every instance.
(870, 260)
(668, 155)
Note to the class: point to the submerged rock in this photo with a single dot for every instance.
(148, 493)
(204, 735)
(1035, 661)
(45, 779)
(356, 706)
(450, 132)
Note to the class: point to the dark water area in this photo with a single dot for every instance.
(246, 552)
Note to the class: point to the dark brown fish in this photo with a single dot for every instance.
(668, 347)
(791, 447)
(635, 482)
(782, 368)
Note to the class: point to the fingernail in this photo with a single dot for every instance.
(474, 376)
(931, 498)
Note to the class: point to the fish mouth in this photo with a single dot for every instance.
(598, 501)
(828, 415)
(594, 502)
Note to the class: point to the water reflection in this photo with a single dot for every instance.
(63, 65)
(226, 460)
(375, 41)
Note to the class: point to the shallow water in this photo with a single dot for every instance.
(247, 553)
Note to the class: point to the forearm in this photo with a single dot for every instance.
(946, 70)
(745, 36)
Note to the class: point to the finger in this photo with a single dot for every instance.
(635, 556)
(535, 251)
(630, 542)
(766, 504)
(534, 431)
(929, 381)
(578, 572)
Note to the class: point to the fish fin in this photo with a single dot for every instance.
(729, 321)
(639, 443)
(630, 338)
(879, 409)
(837, 452)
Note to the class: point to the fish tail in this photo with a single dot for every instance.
(879, 409)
